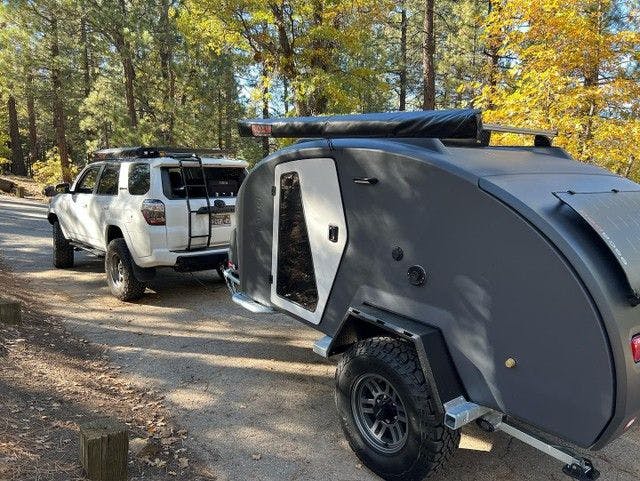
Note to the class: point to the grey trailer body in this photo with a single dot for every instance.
(522, 258)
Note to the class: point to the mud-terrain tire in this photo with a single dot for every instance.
(118, 265)
(62, 250)
(362, 372)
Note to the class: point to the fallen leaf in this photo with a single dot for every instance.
(183, 462)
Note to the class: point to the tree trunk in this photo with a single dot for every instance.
(403, 57)
(34, 151)
(123, 47)
(428, 58)
(59, 118)
(285, 94)
(265, 109)
(492, 50)
(166, 67)
(129, 79)
(86, 65)
(17, 159)
(591, 77)
(219, 111)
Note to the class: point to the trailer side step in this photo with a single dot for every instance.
(249, 304)
(322, 345)
(459, 412)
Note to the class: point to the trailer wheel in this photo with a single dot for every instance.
(62, 250)
(387, 411)
(118, 266)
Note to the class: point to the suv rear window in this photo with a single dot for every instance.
(221, 181)
(139, 179)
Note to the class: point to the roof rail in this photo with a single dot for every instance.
(142, 152)
(541, 138)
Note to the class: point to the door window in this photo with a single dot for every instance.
(296, 279)
(108, 184)
(88, 181)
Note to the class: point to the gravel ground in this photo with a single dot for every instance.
(258, 404)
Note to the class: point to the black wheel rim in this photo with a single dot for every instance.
(116, 270)
(379, 413)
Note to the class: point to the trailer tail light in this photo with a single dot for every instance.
(153, 212)
(635, 347)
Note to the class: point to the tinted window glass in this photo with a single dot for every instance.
(221, 181)
(108, 184)
(296, 280)
(88, 181)
(139, 179)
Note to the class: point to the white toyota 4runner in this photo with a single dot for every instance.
(143, 208)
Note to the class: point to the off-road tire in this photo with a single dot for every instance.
(62, 250)
(429, 443)
(124, 285)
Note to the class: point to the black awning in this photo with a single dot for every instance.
(439, 124)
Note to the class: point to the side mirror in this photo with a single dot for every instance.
(53, 190)
(63, 188)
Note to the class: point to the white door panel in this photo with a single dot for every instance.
(322, 206)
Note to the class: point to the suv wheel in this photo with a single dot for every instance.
(118, 266)
(62, 250)
(387, 411)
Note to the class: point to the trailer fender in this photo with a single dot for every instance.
(367, 321)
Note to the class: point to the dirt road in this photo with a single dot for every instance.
(257, 402)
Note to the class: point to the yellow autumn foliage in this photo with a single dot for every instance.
(567, 66)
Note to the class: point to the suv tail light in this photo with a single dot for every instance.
(635, 347)
(153, 212)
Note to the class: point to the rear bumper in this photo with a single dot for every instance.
(199, 260)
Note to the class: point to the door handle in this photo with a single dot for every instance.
(365, 180)
(333, 233)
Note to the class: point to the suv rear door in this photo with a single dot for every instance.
(222, 186)
(99, 207)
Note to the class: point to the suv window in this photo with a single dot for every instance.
(221, 181)
(88, 181)
(139, 179)
(108, 184)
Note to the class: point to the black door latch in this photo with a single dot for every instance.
(333, 233)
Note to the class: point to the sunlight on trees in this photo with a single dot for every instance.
(79, 75)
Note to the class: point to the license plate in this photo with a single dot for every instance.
(220, 219)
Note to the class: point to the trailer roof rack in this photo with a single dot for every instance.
(456, 124)
(141, 152)
(541, 138)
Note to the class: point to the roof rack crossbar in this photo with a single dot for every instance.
(142, 152)
(541, 138)
(518, 130)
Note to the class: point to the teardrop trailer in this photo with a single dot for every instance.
(459, 281)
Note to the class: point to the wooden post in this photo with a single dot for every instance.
(104, 447)
(10, 312)
(20, 191)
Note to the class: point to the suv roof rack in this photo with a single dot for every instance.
(141, 152)
(455, 124)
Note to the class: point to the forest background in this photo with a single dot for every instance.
(78, 75)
